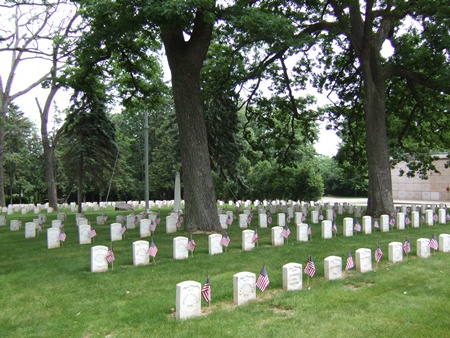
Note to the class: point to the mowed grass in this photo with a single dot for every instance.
(52, 293)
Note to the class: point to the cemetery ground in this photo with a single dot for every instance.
(53, 293)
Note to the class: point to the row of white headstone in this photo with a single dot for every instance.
(188, 293)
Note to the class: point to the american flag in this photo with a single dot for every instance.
(136, 220)
(39, 227)
(407, 220)
(110, 255)
(263, 280)
(309, 231)
(249, 219)
(448, 217)
(206, 291)
(350, 263)
(392, 221)
(123, 229)
(105, 218)
(92, 233)
(255, 237)
(285, 232)
(229, 220)
(152, 226)
(407, 246)
(62, 236)
(288, 219)
(191, 244)
(152, 250)
(357, 226)
(375, 224)
(310, 268)
(378, 254)
(320, 217)
(435, 217)
(157, 219)
(335, 230)
(225, 240)
(269, 220)
(433, 243)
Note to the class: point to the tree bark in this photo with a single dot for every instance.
(4, 102)
(185, 61)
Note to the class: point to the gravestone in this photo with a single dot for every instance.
(14, 225)
(290, 212)
(332, 267)
(61, 216)
(244, 287)
(384, 223)
(429, 217)
(302, 232)
(144, 228)
(180, 250)
(292, 277)
(119, 218)
(367, 225)
(2, 220)
(243, 220)
(330, 214)
(340, 210)
(262, 220)
(171, 224)
(277, 238)
(314, 216)
(100, 220)
(363, 260)
(188, 299)
(327, 231)
(444, 242)
(81, 221)
(140, 250)
(56, 223)
(281, 219)
(223, 221)
(98, 258)
(115, 232)
(415, 219)
(298, 217)
(423, 248)
(442, 216)
(351, 209)
(214, 245)
(395, 252)
(53, 238)
(400, 221)
(30, 230)
(83, 234)
(348, 227)
(130, 222)
(247, 237)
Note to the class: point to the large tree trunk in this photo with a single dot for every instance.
(4, 108)
(185, 61)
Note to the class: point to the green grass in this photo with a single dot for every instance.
(52, 293)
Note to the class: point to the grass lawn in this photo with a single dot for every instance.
(52, 293)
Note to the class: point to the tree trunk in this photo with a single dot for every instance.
(185, 61)
(80, 186)
(4, 109)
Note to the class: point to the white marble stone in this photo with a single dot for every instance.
(131, 219)
(188, 299)
(180, 250)
(327, 230)
(367, 225)
(429, 217)
(330, 214)
(400, 221)
(314, 216)
(171, 224)
(115, 232)
(144, 228)
(363, 261)
(332, 267)
(30, 230)
(423, 248)
(281, 219)
(292, 277)
(100, 220)
(214, 245)
(384, 223)
(442, 216)
(223, 221)
(83, 234)
(277, 239)
(348, 227)
(80, 221)
(298, 217)
(53, 238)
(14, 225)
(140, 256)
(444, 242)
(98, 258)
(247, 237)
(56, 223)
(2, 220)
(262, 220)
(243, 221)
(244, 287)
(395, 252)
(302, 232)
(415, 219)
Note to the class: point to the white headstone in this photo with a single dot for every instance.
(177, 193)
(131, 219)
(214, 244)
(61, 216)
(332, 267)
(442, 216)
(292, 277)
(302, 232)
(415, 219)
(188, 299)
(277, 238)
(423, 248)
(81, 221)
(262, 220)
(247, 237)
(144, 228)
(180, 249)
(400, 221)
(384, 223)
(395, 252)
(100, 220)
(330, 214)
(56, 223)
(315, 216)
(53, 238)
(327, 231)
(83, 234)
(363, 260)
(119, 218)
(444, 242)
(14, 225)
(298, 217)
(281, 219)
(116, 235)
(348, 226)
(98, 258)
(171, 224)
(30, 230)
(429, 217)
(244, 287)
(2, 220)
(223, 221)
(367, 225)
(140, 256)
